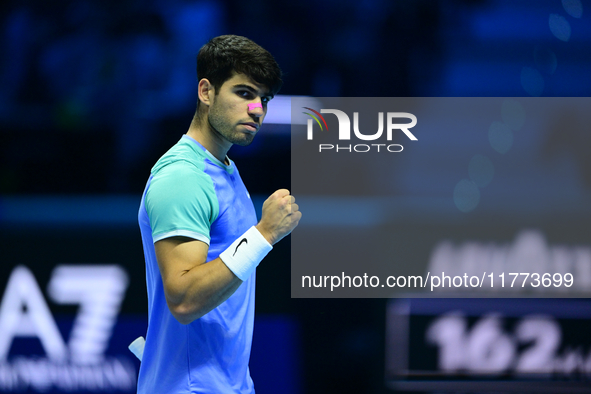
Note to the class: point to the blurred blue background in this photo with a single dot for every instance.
(92, 93)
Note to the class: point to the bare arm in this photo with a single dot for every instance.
(193, 288)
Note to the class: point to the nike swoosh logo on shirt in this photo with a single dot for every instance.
(243, 240)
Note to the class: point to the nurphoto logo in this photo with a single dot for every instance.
(344, 133)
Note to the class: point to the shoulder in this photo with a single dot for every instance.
(181, 197)
(183, 153)
(183, 163)
(180, 178)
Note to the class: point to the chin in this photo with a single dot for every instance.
(245, 140)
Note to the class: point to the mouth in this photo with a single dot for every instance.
(251, 126)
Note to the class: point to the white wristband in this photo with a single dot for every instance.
(245, 254)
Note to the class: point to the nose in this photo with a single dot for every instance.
(255, 109)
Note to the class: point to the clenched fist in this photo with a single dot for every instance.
(280, 216)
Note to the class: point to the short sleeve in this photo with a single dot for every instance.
(181, 201)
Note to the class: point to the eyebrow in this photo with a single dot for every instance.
(250, 88)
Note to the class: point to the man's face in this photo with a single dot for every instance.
(229, 113)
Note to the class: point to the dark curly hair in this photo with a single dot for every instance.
(222, 56)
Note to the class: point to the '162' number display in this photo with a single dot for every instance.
(532, 346)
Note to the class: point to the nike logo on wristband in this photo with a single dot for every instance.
(243, 240)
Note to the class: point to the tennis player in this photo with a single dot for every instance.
(201, 239)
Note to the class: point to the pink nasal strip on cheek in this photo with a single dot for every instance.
(252, 106)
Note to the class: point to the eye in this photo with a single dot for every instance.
(245, 94)
(265, 100)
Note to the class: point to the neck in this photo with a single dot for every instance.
(202, 132)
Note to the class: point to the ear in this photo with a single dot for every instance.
(205, 91)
